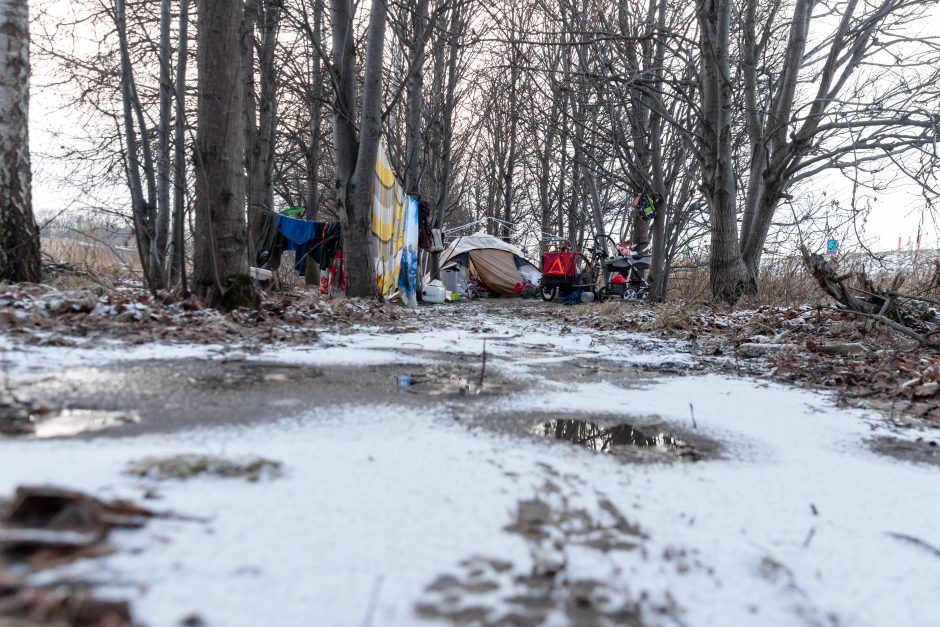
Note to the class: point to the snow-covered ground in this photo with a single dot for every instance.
(797, 522)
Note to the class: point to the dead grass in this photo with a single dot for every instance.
(668, 316)
(609, 308)
(786, 282)
(96, 257)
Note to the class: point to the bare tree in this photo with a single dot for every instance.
(162, 222)
(263, 16)
(728, 274)
(355, 152)
(177, 241)
(816, 100)
(220, 274)
(19, 253)
(139, 163)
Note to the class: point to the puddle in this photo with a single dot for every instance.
(624, 440)
(69, 422)
(444, 381)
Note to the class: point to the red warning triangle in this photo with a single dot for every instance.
(556, 268)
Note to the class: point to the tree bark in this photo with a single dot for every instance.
(260, 110)
(659, 268)
(162, 226)
(728, 275)
(221, 260)
(177, 243)
(357, 233)
(414, 149)
(315, 108)
(19, 254)
(135, 146)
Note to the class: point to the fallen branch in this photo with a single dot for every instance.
(882, 308)
(923, 340)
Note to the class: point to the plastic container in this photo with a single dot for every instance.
(451, 278)
(433, 294)
(587, 297)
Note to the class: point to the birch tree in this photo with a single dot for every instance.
(19, 253)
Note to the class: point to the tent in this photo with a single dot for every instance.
(498, 266)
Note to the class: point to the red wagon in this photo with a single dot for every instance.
(567, 271)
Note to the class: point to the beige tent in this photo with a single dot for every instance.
(499, 266)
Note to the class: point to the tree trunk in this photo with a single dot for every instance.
(773, 147)
(162, 225)
(312, 274)
(19, 254)
(659, 268)
(177, 244)
(345, 140)
(221, 262)
(728, 275)
(357, 238)
(355, 157)
(414, 150)
(509, 187)
(143, 209)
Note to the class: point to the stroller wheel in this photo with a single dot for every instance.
(630, 294)
(549, 293)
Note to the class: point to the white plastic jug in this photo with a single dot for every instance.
(433, 294)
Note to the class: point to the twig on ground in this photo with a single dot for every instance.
(809, 537)
(483, 368)
(373, 601)
(915, 541)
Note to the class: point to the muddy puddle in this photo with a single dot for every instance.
(586, 370)
(653, 442)
(169, 395)
(629, 438)
(446, 380)
(64, 423)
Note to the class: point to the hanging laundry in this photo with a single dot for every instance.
(333, 278)
(329, 239)
(393, 214)
(408, 271)
(314, 241)
(296, 231)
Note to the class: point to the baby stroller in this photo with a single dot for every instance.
(627, 269)
(566, 271)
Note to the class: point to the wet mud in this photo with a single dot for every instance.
(921, 450)
(484, 590)
(172, 395)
